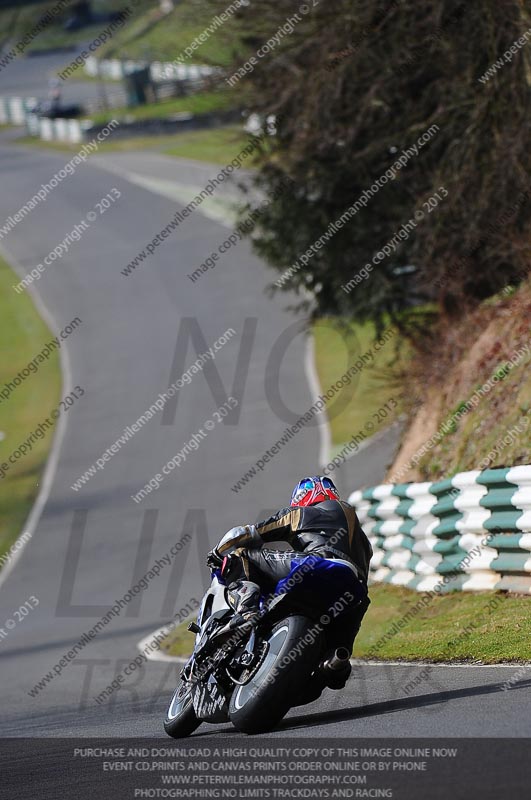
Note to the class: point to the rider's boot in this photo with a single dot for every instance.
(244, 597)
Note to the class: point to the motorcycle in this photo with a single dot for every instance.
(254, 674)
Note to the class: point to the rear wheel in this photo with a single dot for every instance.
(260, 704)
(180, 719)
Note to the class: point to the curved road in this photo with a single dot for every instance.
(123, 356)
(90, 546)
(30, 77)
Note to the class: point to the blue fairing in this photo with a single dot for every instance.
(316, 577)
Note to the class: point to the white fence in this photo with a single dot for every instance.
(116, 69)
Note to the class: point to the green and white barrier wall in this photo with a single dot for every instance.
(73, 131)
(471, 532)
(19, 111)
(13, 110)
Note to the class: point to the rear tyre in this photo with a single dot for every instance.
(180, 719)
(259, 706)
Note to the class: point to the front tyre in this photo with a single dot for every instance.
(180, 719)
(260, 704)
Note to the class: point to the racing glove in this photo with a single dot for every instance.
(214, 560)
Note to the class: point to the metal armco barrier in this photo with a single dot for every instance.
(471, 532)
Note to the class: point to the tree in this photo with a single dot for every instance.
(354, 85)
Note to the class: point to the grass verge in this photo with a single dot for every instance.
(167, 38)
(22, 17)
(23, 335)
(460, 626)
(374, 396)
(215, 146)
(201, 103)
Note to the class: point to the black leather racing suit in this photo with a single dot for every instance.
(330, 529)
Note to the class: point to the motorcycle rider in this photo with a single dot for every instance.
(317, 523)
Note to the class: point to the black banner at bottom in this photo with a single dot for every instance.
(265, 767)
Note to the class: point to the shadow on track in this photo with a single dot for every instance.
(390, 706)
(371, 710)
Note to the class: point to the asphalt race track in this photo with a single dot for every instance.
(90, 546)
(30, 77)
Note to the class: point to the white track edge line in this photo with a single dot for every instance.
(53, 457)
(316, 391)
(356, 662)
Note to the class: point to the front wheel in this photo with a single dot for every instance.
(180, 719)
(293, 650)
